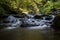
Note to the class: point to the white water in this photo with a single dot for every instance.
(15, 22)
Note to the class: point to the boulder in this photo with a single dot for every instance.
(37, 16)
(48, 18)
(56, 23)
(11, 21)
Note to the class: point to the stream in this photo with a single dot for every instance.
(13, 28)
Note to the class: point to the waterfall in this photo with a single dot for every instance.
(14, 22)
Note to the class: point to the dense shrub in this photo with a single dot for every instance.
(32, 6)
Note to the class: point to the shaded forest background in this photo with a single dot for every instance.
(28, 6)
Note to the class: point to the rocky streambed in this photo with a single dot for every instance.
(30, 27)
(38, 21)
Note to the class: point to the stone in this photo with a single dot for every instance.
(30, 22)
(56, 23)
(48, 18)
(37, 16)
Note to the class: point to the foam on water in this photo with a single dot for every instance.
(37, 27)
(16, 22)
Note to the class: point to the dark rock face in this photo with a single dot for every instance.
(20, 15)
(56, 23)
(48, 18)
(55, 12)
(37, 16)
(2, 18)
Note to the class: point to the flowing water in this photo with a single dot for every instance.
(40, 30)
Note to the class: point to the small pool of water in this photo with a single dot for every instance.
(26, 34)
(13, 31)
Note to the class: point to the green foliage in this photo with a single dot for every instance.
(32, 6)
(57, 5)
(2, 11)
(47, 7)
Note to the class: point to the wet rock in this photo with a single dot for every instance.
(56, 23)
(30, 22)
(14, 22)
(11, 21)
(45, 22)
(29, 15)
(2, 17)
(37, 16)
(48, 18)
(55, 12)
(20, 15)
(44, 15)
